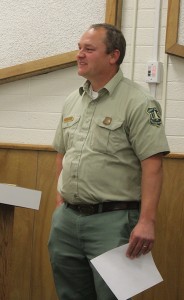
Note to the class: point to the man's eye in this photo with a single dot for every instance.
(89, 49)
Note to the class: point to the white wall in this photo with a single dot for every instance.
(30, 108)
(41, 28)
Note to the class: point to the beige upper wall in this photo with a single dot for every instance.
(55, 31)
(30, 108)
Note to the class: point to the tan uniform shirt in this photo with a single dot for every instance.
(104, 141)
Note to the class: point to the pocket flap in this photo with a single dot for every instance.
(108, 123)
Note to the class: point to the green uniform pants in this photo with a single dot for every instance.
(75, 239)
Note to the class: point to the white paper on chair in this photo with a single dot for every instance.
(18, 196)
(126, 277)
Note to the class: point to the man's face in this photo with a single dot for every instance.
(92, 59)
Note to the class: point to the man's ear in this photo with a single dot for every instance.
(114, 56)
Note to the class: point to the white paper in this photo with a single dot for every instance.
(126, 277)
(18, 196)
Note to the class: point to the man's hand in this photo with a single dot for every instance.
(141, 239)
(59, 159)
(59, 200)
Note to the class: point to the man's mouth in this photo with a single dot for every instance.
(81, 63)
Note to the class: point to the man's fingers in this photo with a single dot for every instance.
(138, 248)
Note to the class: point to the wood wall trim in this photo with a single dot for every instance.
(175, 155)
(38, 67)
(113, 12)
(26, 147)
(173, 14)
(50, 148)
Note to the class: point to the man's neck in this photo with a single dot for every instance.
(101, 82)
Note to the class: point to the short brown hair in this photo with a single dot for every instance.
(114, 39)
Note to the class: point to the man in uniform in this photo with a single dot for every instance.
(110, 143)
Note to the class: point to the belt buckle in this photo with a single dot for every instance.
(86, 209)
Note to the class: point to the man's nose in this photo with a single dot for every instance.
(81, 53)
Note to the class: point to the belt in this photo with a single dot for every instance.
(90, 209)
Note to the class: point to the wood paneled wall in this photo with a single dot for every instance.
(168, 250)
(31, 276)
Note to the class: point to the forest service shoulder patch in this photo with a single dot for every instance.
(154, 115)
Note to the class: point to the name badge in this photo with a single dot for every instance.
(68, 119)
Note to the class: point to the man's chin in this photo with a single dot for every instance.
(81, 73)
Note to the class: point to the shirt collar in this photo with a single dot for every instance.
(85, 87)
(109, 87)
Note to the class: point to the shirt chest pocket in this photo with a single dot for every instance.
(69, 125)
(107, 135)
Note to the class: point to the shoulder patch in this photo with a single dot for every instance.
(154, 115)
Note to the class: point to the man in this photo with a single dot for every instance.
(110, 142)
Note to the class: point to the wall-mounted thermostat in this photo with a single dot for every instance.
(154, 69)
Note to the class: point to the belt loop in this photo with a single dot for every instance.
(100, 207)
